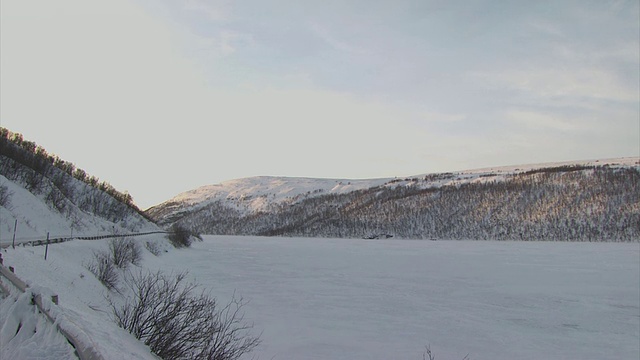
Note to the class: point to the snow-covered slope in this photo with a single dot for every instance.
(44, 199)
(262, 194)
(254, 194)
(82, 303)
(35, 219)
(24, 332)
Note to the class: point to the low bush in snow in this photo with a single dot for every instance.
(177, 322)
(180, 236)
(428, 354)
(125, 251)
(153, 248)
(120, 253)
(104, 269)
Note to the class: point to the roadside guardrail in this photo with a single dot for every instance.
(76, 336)
(42, 242)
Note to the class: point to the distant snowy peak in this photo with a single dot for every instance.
(257, 193)
(277, 187)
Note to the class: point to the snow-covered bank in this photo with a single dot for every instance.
(82, 299)
(25, 334)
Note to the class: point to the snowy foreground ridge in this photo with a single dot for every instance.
(358, 299)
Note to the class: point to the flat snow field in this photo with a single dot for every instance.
(387, 299)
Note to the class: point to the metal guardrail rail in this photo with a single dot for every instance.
(76, 337)
(42, 242)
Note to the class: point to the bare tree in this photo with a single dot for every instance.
(5, 197)
(176, 322)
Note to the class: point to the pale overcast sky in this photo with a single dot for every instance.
(162, 96)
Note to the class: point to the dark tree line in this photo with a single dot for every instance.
(569, 203)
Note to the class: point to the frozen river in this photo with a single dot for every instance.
(386, 299)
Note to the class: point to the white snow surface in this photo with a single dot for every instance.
(25, 334)
(384, 299)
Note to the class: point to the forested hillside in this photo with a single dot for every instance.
(559, 203)
(77, 201)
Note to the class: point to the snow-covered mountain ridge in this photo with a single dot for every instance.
(257, 195)
(254, 194)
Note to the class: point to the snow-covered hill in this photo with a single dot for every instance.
(254, 194)
(35, 218)
(42, 199)
(83, 304)
(41, 194)
(327, 207)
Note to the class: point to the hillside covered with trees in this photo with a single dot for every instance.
(557, 203)
(67, 190)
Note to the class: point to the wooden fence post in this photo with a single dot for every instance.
(15, 227)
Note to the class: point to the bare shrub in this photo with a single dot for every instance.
(124, 251)
(428, 354)
(153, 248)
(180, 236)
(231, 338)
(104, 269)
(176, 322)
